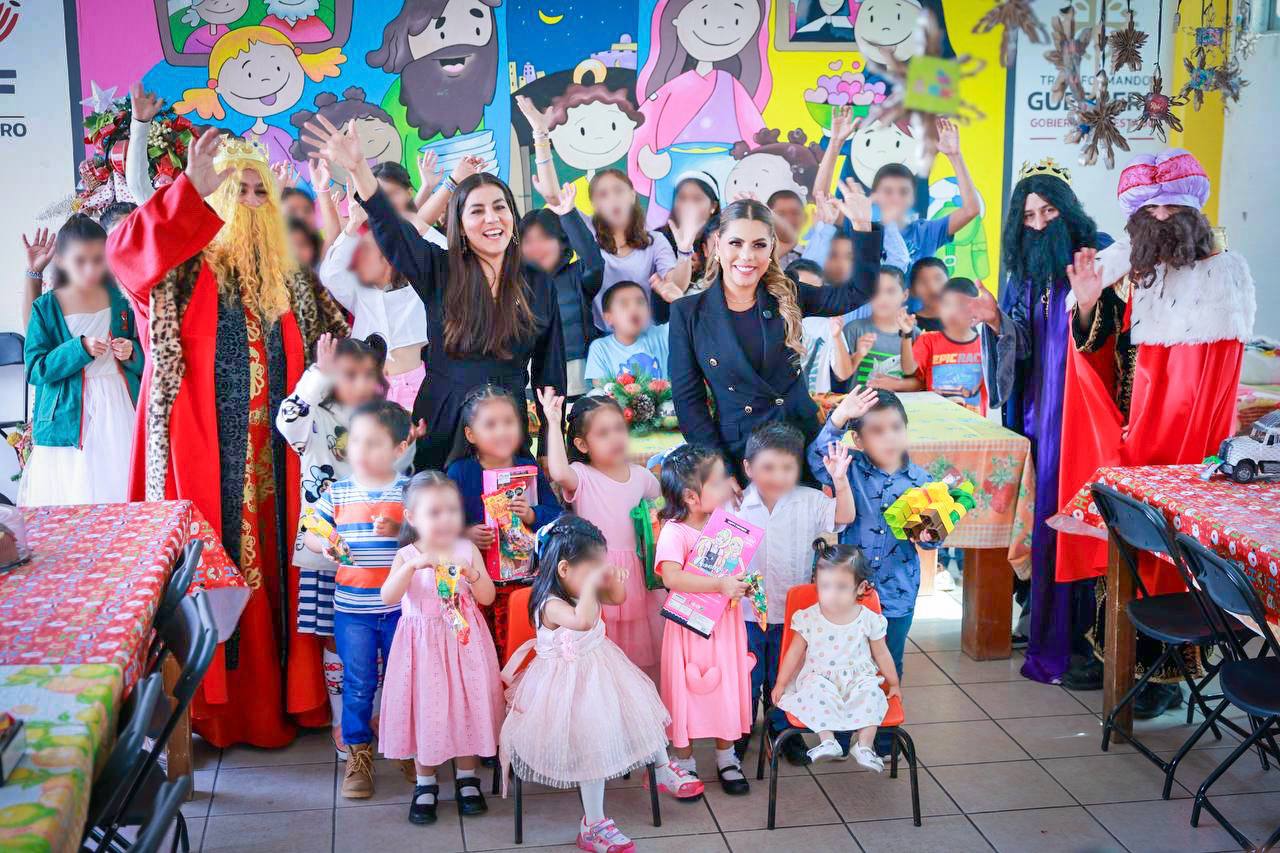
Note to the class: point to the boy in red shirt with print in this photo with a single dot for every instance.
(949, 362)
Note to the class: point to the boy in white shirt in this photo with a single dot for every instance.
(792, 516)
(635, 346)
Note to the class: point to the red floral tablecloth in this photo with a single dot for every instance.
(94, 580)
(1239, 521)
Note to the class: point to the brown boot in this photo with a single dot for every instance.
(357, 781)
(409, 771)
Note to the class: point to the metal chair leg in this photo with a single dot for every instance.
(1109, 724)
(1171, 768)
(893, 756)
(782, 738)
(909, 747)
(764, 738)
(519, 810)
(1194, 698)
(1202, 794)
(653, 793)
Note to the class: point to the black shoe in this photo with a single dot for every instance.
(473, 804)
(736, 787)
(1084, 676)
(1155, 699)
(423, 813)
(1018, 641)
(795, 753)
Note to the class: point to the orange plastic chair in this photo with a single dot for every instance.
(520, 629)
(798, 598)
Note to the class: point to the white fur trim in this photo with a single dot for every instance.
(1212, 300)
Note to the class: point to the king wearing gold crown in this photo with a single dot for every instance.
(227, 322)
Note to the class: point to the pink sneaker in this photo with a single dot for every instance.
(677, 782)
(603, 836)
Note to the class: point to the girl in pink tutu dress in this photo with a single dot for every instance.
(706, 683)
(579, 712)
(598, 482)
(442, 693)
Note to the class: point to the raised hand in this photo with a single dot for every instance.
(121, 348)
(321, 174)
(835, 326)
(836, 460)
(552, 405)
(854, 405)
(745, 195)
(948, 137)
(145, 104)
(841, 125)
(665, 288)
(204, 176)
(326, 353)
(825, 208)
(865, 343)
(39, 249)
(429, 172)
(339, 147)
(983, 308)
(356, 215)
(906, 322)
(418, 430)
(539, 120)
(286, 174)
(855, 205)
(468, 166)
(1086, 283)
(566, 203)
(686, 233)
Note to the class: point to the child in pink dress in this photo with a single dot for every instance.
(603, 487)
(442, 693)
(706, 683)
(580, 712)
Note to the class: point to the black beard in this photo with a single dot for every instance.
(1043, 255)
(437, 102)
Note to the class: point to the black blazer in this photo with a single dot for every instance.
(706, 358)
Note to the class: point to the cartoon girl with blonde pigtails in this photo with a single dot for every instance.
(259, 72)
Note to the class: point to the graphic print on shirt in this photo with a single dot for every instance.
(959, 375)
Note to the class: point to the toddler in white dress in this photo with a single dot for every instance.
(838, 648)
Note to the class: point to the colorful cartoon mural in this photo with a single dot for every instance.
(736, 92)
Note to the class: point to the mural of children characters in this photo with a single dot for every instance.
(298, 19)
(591, 127)
(445, 53)
(966, 256)
(212, 20)
(875, 144)
(379, 139)
(773, 165)
(883, 28)
(823, 20)
(701, 91)
(258, 72)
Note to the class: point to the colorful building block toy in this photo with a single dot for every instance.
(312, 522)
(933, 509)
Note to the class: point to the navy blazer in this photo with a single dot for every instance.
(707, 359)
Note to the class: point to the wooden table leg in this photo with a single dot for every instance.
(928, 569)
(1121, 640)
(178, 749)
(987, 624)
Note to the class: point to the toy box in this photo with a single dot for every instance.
(13, 743)
(724, 549)
(510, 557)
(644, 518)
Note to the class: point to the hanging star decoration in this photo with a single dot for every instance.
(1244, 39)
(101, 99)
(1228, 80)
(1200, 80)
(1126, 47)
(1097, 124)
(1014, 16)
(1157, 109)
(1069, 47)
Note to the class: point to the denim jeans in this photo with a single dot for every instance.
(360, 637)
(895, 637)
(766, 647)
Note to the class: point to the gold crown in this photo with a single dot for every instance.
(236, 151)
(1047, 166)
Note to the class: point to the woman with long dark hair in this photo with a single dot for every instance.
(490, 316)
(739, 345)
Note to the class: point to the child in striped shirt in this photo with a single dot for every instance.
(367, 510)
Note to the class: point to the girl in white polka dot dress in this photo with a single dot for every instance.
(839, 651)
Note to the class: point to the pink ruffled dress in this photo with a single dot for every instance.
(579, 711)
(706, 683)
(607, 504)
(440, 698)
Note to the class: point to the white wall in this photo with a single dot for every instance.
(1249, 207)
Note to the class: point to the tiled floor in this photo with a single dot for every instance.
(1008, 765)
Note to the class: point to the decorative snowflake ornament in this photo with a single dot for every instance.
(1228, 81)
(1200, 80)
(1013, 16)
(1157, 109)
(1069, 47)
(1126, 47)
(1097, 120)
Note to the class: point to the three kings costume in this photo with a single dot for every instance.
(215, 375)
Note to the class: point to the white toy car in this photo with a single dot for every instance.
(1245, 457)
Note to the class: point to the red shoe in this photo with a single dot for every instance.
(603, 836)
(676, 782)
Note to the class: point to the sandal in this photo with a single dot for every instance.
(424, 813)
(734, 787)
(469, 804)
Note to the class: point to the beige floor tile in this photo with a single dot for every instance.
(548, 819)
(1161, 826)
(1245, 775)
(310, 747)
(876, 796)
(968, 742)
(273, 789)
(1060, 736)
(800, 803)
(204, 755)
(201, 794)
(1062, 830)
(1022, 698)
(936, 635)
(709, 843)
(285, 832)
(630, 809)
(941, 703)
(963, 669)
(953, 833)
(386, 828)
(1091, 699)
(1111, 778)
(918, 670)
(1256, 815)
(1168, 732)
(996, 787)
(824, 838)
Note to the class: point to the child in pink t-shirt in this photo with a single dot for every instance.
(706, 683)
(598, 482)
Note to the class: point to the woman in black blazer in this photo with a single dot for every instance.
(738, 345)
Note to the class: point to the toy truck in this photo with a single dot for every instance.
(1246, 457)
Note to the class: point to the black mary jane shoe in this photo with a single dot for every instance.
(424, 813)
(734, 787)
(472, 804)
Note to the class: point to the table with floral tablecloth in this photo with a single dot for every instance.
(75, 622)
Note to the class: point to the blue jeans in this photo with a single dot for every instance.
(895, 637)
(360, 637)
(766, 647)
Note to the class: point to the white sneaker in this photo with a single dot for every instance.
(866, 757)
(942, 581)
(828, 749)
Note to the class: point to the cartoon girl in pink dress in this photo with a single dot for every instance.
(693, 117)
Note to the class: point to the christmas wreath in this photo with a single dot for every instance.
(106, 135)
(646, 402)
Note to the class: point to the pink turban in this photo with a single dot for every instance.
(1173, 176)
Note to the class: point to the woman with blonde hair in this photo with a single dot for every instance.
(739, 345)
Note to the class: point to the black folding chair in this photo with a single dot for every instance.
(1252, 684)
(12, 347)
(175, 590)
(167, 813)
(127, 758)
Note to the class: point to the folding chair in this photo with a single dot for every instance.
(168, 811)
(1251, 684)
(174, 591)
(519, 630)
(127, 756)
(798, 598)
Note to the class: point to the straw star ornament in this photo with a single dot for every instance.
(1013, 16)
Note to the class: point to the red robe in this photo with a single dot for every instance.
(245, 704)
(1189, 329)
